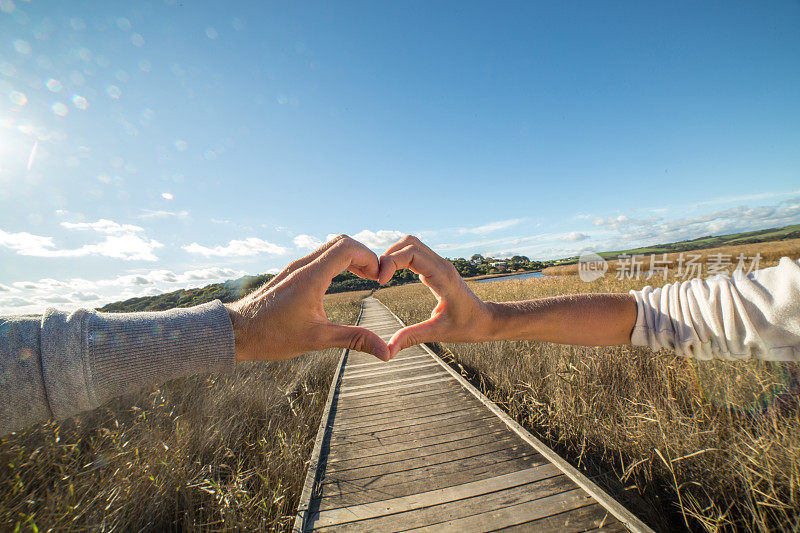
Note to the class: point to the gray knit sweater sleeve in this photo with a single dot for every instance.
(58, 364)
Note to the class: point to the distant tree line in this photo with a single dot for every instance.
(478, 265)
(232, 290)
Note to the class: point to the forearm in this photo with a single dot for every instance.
(584, 319)
(60, 364)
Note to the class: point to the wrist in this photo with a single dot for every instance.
(238, 322)
(494, 321)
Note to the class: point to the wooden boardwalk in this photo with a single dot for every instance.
(410, 445)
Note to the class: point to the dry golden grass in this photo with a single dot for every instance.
(207, 452)
(770, 254)
(715, 445)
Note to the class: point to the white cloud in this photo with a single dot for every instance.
(150, 214)
(34, 296)
(25, 243)
(167, 196)
(307, 242)
(575, 236)
(4, 288)
(12, 303)
(85, 296)
(105, 226)
(380, 239)
(492, 226)
(122, 241)
(237, 248)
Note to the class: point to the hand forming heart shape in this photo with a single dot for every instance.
(286, 318)
(459, 316)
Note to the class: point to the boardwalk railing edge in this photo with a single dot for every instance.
(622, 514)
(311, 474)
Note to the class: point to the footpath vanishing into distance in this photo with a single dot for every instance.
(410, 445)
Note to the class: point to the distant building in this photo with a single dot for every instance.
(499, 265)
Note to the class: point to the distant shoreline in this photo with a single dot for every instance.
(503, 275)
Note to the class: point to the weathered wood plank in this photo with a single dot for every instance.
(389, 381)
(408, 423)
(381, 364)
(392, 436)
(423, 403)
(429, 477)
(415, 446)
(515, 514)
(406, 466)
(438, 378)
(359, 460)
(580, 519)
(446, 504)
(443, 390)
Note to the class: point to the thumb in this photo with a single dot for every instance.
(358, 339)
(411, 335)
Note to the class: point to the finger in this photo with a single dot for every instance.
(439, 275)
(358, 339)
(358, 271)
(408, 240)
(300, 263)
(412, 335)
(387, 268)
(346, 254)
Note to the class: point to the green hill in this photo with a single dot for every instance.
(227, 291)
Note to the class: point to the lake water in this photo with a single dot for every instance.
(525, 275)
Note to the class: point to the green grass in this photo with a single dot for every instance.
(750, 237)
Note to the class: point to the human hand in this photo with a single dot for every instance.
(459, 316)
(285, 317)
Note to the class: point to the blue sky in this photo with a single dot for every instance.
(148, 146)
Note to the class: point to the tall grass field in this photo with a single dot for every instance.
(709, 446)
(210, 452)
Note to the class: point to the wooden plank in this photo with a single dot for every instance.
(464, 508)
(421, 403)
(388, 383)
(391, 436)
(574, 520)
(359, 460)
(405, 367)
(440, 476)
(515, 514)
(409, 464)
(424, 445)
(441, 472)
(386, 388)
(408, 423)
(443, 390)
(401, 411)
(398, 513)
(393, 361)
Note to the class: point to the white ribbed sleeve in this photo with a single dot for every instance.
(739, 317)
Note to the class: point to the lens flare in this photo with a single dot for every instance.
(60, 109)
(79, 102)
(22, 46)
(114, 92)
(53, 85)
(18, 98)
